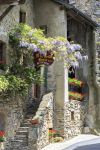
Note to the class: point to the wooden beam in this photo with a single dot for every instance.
(2, 2)
(22, 1)
(5, 12)
(77, 18)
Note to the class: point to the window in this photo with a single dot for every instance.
(72, 115)
(71, 72)
(2, 55)
(44, 28)
(69, 38)
(22, 17)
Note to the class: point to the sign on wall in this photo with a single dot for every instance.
(43, 59)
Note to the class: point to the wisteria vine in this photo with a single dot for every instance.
(28, 40)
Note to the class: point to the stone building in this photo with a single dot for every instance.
(67, 18)
(92, 9)
(12, 12)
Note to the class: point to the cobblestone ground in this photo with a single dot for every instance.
(81, 142)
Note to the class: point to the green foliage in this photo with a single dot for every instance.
(20, 73)
(24, 41)
(18, 33)
(3, 83)
(75, 81)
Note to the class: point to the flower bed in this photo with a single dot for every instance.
(76, 96)
(55, 136)
(75, 82)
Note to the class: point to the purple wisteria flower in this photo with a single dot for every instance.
(75, 64)
(41, 42)
(78, 55)
(43, 52)
(57, 43)
(32, 46)
(72, 47)
(68, 44)
(85, 57)
(23, 44)
(29, 46)
(76, 46)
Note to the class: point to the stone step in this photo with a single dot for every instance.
(26, 120)
(22, 132)
(29, 116)
(16, 142)
(26, 148)
(23, 128)
(21, 137)
(20, 141)
(24, 144)
(25, 124)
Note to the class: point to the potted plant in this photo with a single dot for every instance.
(2, 134)
(34, 121)
(76, 96)
(75, 82)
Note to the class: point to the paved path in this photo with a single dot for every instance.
(93, 144)
(81, 142)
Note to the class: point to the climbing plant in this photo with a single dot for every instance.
(24, 42)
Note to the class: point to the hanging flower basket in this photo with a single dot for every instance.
(75, 82)
(76, 96)
(46, 58)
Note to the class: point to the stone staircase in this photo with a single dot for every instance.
(20, 140)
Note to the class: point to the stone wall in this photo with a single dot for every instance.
(38, 133)
(74, 118)
(13, 111)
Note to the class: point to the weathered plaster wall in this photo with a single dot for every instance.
(49, 14)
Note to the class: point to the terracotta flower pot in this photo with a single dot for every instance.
(35, 121)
